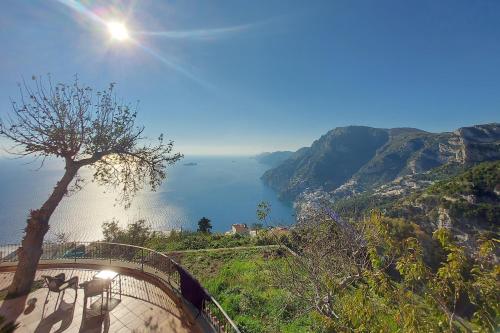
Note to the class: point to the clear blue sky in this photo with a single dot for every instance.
(247, 76)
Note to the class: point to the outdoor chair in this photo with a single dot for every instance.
(93, 288)
(58, 284)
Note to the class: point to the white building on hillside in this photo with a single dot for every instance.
(240, 229)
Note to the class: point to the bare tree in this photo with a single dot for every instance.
(329, 255)
(86, 129)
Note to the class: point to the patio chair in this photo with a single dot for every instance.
(93, 288)
(58, 284)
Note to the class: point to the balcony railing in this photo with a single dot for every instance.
(140, 258)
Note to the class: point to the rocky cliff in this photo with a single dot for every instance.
(355, 159)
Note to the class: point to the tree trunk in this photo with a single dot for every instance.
(38, 224)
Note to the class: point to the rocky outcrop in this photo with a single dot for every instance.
(478, 143)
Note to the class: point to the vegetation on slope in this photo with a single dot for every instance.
(243, 282)
(386, 275)
(240, 279)
(376, 274)
(463, 198)
(139, 233)
(468, 200)
(479, 181)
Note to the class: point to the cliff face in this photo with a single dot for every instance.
(329, 162)
(478, 143)
(350, 160)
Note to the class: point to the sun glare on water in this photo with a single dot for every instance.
(118, 31)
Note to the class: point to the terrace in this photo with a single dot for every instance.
(154, 293)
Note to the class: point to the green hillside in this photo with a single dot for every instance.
(461, 198)
(468, 200)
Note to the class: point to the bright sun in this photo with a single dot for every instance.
(118, 31)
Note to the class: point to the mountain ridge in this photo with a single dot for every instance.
(353, 159)
(273, 159)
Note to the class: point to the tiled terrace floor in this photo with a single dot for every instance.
(144, 308)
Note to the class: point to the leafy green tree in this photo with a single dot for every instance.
(204, 225)
(263, 211)
(85, 129)
(374, 275)
(460, 282)
(331, 258)
(136, 233)
(485, 277)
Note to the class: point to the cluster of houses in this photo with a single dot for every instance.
(244, 230)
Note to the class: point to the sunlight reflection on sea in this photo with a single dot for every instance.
(225, 189)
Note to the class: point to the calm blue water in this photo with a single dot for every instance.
(224, 189)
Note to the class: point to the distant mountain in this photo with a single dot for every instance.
(273, 159)
(329, 162)
(355, 159)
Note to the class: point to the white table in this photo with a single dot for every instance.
(110, 276)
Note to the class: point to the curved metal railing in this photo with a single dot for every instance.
(136, 257)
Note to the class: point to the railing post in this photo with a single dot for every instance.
(74, 250)
(142, 259)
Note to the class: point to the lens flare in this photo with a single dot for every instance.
(118, 31)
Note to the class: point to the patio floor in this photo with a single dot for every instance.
(144, 307)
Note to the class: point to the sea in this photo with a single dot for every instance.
(225, 189)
